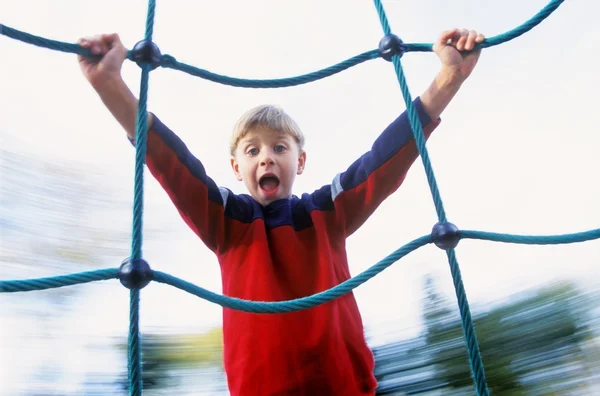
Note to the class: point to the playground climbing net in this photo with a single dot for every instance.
(135, 273)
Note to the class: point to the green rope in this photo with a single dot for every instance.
(168, 61)
(25, 285)
(134, 350)
(476, 364)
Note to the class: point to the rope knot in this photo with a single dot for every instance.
(146, 52)
(135, 274)
(391, 45)
(445, 235)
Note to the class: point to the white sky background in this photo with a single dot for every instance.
(517, 150)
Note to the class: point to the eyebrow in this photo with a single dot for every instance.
(283, 137)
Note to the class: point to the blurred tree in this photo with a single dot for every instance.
(534, 336)
(539, 341)
(164, 354)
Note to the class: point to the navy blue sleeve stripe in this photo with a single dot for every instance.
(187, 159)
(235, 207)
(388, 144)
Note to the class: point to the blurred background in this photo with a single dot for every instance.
(516, 152)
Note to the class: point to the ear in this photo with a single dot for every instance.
(301, 162)
(236, 168)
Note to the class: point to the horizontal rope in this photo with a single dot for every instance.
(503, 37)
(172, 63)
(12, 286)
(54, 282)
(532, 239)
(296, 304)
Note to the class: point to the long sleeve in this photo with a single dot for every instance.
(357, 192)
(201, 203)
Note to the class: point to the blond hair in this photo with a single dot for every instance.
(267, 116)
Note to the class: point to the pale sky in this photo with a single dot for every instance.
(516, 152)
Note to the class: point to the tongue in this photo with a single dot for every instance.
(269, 183)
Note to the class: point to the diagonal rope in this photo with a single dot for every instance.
(476, 364)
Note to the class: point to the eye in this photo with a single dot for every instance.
(252, 151)
(280, 148)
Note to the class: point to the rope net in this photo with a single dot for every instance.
(134, 273)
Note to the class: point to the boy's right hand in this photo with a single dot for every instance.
(103, 71)
(105, 66)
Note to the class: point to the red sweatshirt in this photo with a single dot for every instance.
(288, 249)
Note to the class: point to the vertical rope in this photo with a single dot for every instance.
(150, 20)
(476, 364)
(477, 368)
(134, 348)
(135, 366)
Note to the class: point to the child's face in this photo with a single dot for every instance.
(267, 162)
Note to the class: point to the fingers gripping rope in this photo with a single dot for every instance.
(135, 273)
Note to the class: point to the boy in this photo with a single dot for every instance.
(274, 246)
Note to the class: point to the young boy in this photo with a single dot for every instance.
(272, 245)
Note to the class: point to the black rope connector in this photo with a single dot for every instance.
(389, 46)
(135, 274)
(145, 52)
(445, 235)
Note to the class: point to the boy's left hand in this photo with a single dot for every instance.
(449, 48)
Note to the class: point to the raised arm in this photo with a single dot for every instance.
(358, 191)
(204, 206)
(200, 202)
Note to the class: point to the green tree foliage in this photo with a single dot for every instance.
(164, 354)
(539, 340)
(185, 349)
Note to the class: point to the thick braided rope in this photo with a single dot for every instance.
(476, 364)
(25, 285)
(134, 365)
(54, 282)
(134, 349)
(169, 61)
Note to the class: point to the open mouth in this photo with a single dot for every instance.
(269, 183)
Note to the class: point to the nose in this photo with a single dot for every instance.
(267, 158)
